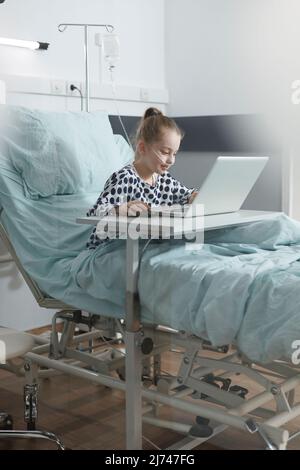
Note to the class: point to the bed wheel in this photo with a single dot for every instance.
(147, 346)
(145, 379)
(6, 422)
(30, 405)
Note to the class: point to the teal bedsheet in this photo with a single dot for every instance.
(243, 286)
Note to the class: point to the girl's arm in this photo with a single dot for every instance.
(111, 197)
(194, 194)
(182, 194)
(115, 197)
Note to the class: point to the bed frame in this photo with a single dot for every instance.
(205, 386)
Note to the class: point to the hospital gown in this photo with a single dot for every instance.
(126, 185)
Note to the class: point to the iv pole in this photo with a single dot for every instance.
(109, 28)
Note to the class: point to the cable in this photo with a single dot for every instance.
(111, 51)
(143, 252)
(113, 86)
(73, 88)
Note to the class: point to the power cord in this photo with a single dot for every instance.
(75, 88)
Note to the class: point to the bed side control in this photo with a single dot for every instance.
(147, 346)
(240, 391)
(211, 379)
(216, 381)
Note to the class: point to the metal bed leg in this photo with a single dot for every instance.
(31, 395)
(133, 350)
(133, 392)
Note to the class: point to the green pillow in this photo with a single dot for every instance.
(60, 152)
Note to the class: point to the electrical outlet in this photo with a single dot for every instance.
(58, 87)
(74, 92)
(144, 94)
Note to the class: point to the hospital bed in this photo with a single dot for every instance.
(52, 166)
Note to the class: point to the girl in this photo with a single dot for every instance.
(147, 180)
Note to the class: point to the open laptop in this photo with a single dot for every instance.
(225, 189)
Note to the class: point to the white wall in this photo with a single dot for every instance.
(292, 166)
(236, 57)
(17, 308)
(140, 25)
(231, 57)
(295, 194)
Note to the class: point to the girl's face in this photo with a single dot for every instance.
(160, 156)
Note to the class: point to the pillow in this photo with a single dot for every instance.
(126, 152)
(59, 153)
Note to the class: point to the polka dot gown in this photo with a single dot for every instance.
(126, 185)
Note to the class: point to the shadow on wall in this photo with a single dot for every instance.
(240, 135)
(251, 134)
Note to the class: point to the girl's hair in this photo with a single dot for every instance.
(153, 124)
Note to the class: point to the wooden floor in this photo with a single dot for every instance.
(88, 416)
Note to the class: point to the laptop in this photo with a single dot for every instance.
(225, 189)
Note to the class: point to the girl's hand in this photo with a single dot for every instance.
(195, 194)
(133, 208)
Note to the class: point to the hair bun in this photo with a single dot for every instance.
(152, 112)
